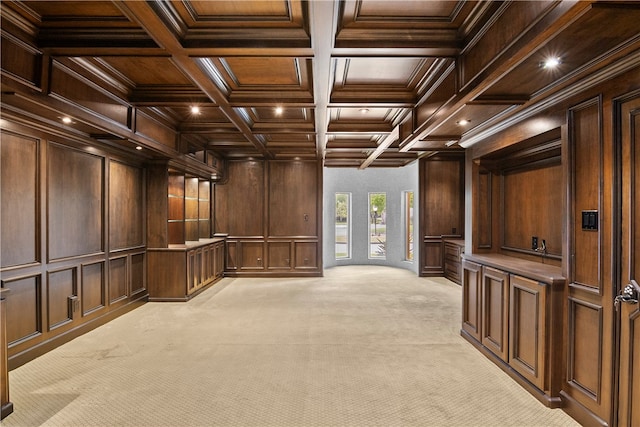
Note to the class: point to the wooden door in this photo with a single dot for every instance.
(628, 307)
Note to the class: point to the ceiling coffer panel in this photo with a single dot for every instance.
(265, 89)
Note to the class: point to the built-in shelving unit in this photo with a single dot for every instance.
(184, 256)
(512, 280)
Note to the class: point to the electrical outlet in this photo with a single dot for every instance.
(534, 242)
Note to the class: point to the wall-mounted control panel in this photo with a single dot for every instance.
(589, 220)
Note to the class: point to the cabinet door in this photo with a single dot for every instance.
(495, 311)
(452, 262)
(193, 274)
(219, 259)
(527, 326)
(471, 296)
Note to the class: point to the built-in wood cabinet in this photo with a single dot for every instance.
(183, 258)
(495, 311)
(453, 249)
(527, 328)
(179, 272)
(512, 312)
(471, 299)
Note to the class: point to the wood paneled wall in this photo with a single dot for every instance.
(547, 199)
(271, 211)
(73, 238)
(441, 208)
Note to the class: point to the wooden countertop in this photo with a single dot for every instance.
(189, 245)
(459, 242)
(545, 273)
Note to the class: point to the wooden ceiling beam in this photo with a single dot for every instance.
(146, 17)
(557, 18)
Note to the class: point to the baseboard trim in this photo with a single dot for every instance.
(27, 355)
(552, 402)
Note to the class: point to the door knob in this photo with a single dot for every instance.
(629, 294)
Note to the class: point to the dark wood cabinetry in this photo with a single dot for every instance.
(182, 257)
(495, 311)
(512, 312)
(441, 210)
(179, 272)
(453, 249)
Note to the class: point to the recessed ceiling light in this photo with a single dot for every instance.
(195, 109)
(551, 62)
(364, 110)
(138, 147)
(463, 122)
(278, 111)
(66, 120)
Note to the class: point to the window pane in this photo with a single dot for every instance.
(408, 225)
(343, 225)
(377, 225)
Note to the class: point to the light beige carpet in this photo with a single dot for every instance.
(362, 346)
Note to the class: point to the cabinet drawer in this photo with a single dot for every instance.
(451, 251)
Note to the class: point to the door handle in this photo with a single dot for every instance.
(629, 294)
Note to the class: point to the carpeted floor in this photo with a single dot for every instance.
(362, 346)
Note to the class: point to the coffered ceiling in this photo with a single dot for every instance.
(357, 83)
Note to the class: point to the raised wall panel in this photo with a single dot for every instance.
(584, 370)
(138, 268)
(441, 209)
(482, 210)
(24, 308)
(293, 189)
(252, 255)
(93, 287)
(587, 153)
(240, 201)
(532, 205)
(279, 255)
(442, 181)
(118, 288)
(19, 189)
(495, 311)
(75, 202)
(306, 255)
(231, 259)
(432, 256)
(126, 206)
(61, 285)
(157, 201)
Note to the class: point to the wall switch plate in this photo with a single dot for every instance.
(534, 242)
(590, 220)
